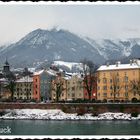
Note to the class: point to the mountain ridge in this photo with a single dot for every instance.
(41, 45)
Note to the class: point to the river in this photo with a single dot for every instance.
(43, 127)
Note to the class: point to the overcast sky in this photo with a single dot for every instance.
(95, 21)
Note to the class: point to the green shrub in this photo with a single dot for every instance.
(134, 114)
(134, 100)
(33, 100)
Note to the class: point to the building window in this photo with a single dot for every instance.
(36, 92)
(98, 88)
(110, 80)
(134, 93)
(98, 80)
(105, 94)
(104, 80)
(126, 87)
(72, 88)
(125, 79)
(99, 94)
(103, 74)
(73, 95)
(36, 80)
(126, 94)
(111, 87)
(104, 87)
(111, 94)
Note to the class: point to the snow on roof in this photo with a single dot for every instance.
(67, 64)
(67, 77)
(31, 69)
(25, 79)
(71, 75)
(119, 66)
(3, 80)
(38, 72)
(51, 72)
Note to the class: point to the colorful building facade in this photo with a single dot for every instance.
(71, 88)
(114, 81)
(24, 88)
(41, 85)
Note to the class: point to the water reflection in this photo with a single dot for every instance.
(42, 127)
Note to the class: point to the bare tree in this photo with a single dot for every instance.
(11, 86)
(116, 85)
(90, 79)
(57, 87)
(135, 87)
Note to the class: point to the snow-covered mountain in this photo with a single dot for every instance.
(116, 49)
(51, 45)
(40, 45)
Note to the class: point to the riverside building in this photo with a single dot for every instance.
(24, 88)
(115, 81)
(71, 88)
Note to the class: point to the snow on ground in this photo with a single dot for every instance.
(68, 64)
(56, 114)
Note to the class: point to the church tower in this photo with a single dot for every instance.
(6, 67)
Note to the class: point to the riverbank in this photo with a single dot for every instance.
(56, 114)
(97, 108)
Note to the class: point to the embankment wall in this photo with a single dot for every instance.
(75, 107)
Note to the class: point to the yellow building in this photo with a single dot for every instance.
(71, 88)
(75, 88)
(24, 88)
(114, 81)
(58, 89)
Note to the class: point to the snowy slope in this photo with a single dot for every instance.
(70, 65)
(117, 48)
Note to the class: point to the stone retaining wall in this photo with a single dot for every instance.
(73, 108)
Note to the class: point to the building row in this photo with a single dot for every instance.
(118, 82)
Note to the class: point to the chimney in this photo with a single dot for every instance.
(135, 61)
(131, 62)
(107, 64)
(118, 63)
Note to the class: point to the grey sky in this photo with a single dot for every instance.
(95, 21)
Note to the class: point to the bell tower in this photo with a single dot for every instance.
(6, 67)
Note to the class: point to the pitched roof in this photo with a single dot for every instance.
(38, 72)
(25, 79)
